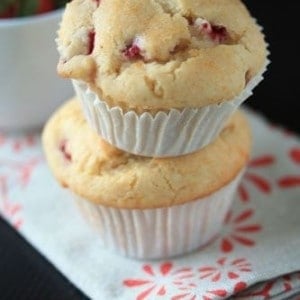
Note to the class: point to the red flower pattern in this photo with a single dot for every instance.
(260, 182)
(291, 181)
(23, 143)
(9, 209)
(192, 292)
(238, 231)
(268, 289)
(12, 212)
(240, 286)
(15, 173)
(263, 292)
(225, 269)
(295, 155)
(21, 171)
(156, 281)
(183, 283)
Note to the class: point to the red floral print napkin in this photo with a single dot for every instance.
(256, 256)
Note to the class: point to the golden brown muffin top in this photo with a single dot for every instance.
(160, 54)
(97, 171)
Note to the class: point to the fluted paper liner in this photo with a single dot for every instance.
(161, 232)
(174, 133)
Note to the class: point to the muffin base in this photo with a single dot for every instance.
(161, 232)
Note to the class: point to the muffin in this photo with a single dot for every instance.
(160, 78)
(147, 207)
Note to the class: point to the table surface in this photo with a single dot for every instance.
(25, 274)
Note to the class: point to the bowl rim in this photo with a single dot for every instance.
(21, 21)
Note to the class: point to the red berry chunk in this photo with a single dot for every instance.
(218, 33)
(97, 2)
(91, 41)
(206, 27)
(63, 148)
(132, 52)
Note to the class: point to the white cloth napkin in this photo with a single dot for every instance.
(260, 241)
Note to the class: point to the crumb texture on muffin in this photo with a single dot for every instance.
(97, 171)
(160, 54)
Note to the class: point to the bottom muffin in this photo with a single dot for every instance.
(147, 207)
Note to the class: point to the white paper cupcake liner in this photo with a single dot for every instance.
(161, 232)
(165, 134)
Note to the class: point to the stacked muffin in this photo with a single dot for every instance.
(156, 154)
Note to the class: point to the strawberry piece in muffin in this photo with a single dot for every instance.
(63, 149)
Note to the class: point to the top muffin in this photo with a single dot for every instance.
(160, 54)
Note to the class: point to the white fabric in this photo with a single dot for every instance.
(260, 239)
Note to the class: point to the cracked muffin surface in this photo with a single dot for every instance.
(97, 171)
(160, 54)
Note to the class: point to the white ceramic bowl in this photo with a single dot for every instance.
(30, 88)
